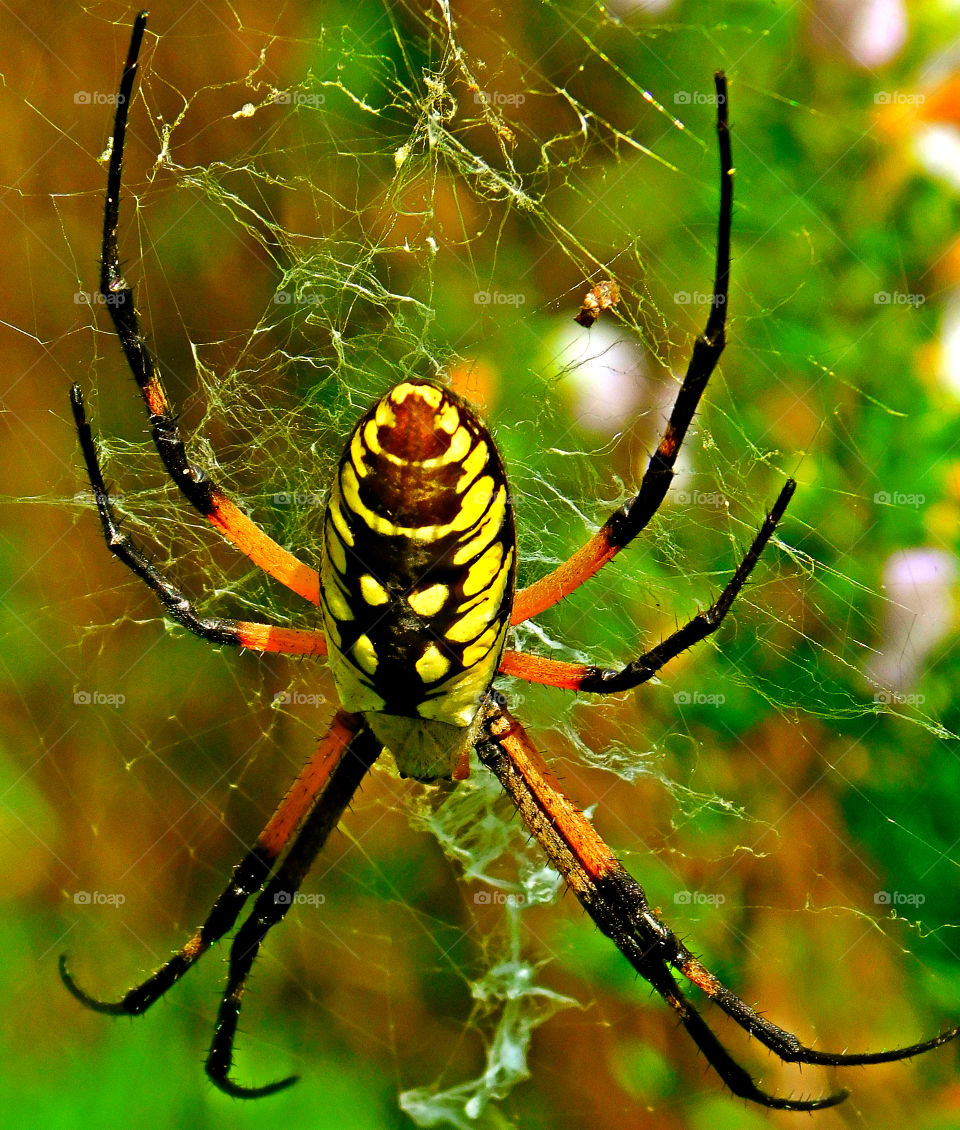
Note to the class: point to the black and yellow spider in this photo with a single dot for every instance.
(416, 594)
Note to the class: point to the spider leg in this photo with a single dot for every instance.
(319, 785)
(619, 907)
(625, 523)
(202, 493)
(600, 680)
(240, 633)
(274, 902)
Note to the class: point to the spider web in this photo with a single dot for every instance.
(320, 205)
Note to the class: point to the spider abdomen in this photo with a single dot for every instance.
(417, 573)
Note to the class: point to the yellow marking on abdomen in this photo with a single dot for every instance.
(365, 655)
(474, 504)
(385, 415)
(432, 665)
(488, 531)
(357, 452)
(428, 601)
(427, 393)
(473, 621)
(477, 650)
(472, 466)
(482, 572)
(335, 550)
(470, 625)
(448, 419)
(459, 446)
(372, 591)
(371, 438)
(337, 600)
(337, 515)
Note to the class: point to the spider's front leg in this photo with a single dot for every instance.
(618, 905)
(196, 485)
(602, 680)
(624, 524)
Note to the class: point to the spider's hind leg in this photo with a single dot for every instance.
(274, 902)
(316, 799)
(618, 905)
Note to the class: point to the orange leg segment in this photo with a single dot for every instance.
(624, 524)
(195, 484)
(248, 876)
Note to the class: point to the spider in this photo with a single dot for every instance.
(416, 595)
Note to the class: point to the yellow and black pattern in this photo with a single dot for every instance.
(418, 564)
